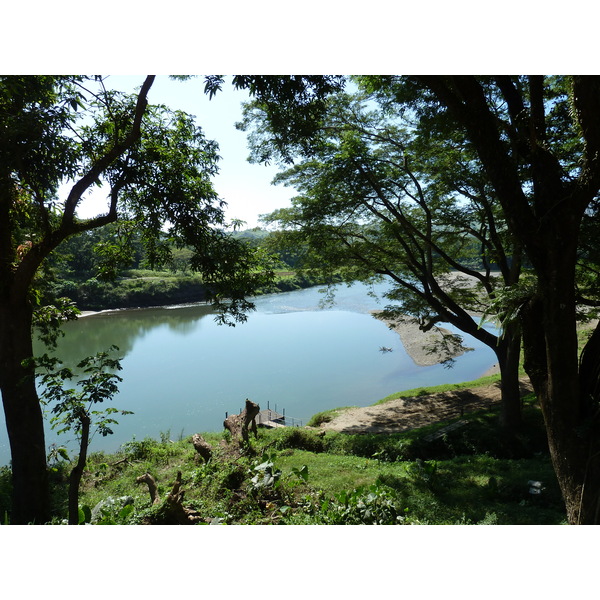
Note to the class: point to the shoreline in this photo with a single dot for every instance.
(415, 341)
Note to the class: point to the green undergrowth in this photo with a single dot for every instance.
(474, 474)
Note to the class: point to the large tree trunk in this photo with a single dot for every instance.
(24, 420)
(550, 330)
(547, 226)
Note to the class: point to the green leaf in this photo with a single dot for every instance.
(125, 512)
(85, 514)
(302, 472)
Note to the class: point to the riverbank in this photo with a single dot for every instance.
(424, 408)
(422, 347)
(150, 289)
(444, 474)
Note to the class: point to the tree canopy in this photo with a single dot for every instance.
(534, 140)
(154, 166)
(377, 200)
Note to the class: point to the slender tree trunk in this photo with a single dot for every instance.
(77, 472)
(589, 379)
(508, 353)
(24, 420)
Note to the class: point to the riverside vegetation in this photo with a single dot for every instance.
(81, 272)
(472, 475)
(138, 288)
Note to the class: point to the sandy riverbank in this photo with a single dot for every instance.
(403, 414)
(418, 343)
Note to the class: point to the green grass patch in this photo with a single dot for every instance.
(326, 416)
(437, 389)
(474, 474)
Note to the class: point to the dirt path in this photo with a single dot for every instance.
(408, 413)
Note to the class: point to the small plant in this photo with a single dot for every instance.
(55, 455)
(423, 471)
(112, 511)
(301, 439)
(139, 449)
(266, 475)
(366, 505)
(301, 473)
(73, 407)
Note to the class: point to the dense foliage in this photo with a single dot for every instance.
(60, 138)
(533, 145)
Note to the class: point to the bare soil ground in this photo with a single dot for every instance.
(409, 413)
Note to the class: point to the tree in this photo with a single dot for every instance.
(96, 382)
(538, 140)
(100, 253)
(375, 200)
(155, 165)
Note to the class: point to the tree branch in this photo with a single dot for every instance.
(104, 161)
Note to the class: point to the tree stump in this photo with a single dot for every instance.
(238, 425)
(203, 448)
(171, 511)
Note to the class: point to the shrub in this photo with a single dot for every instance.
(300, 439)
(388, 448)
(140, 450)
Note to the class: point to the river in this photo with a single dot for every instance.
(182, 372)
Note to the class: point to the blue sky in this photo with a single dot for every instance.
(245, 187)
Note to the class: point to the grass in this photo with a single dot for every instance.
(472, 475)
(326, 416)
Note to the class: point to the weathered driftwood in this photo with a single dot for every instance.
(172, 511)
(238, 425)
(152, 488)
(203, 448)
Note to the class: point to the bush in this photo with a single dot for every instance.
(389, 448)
(300, 439)
(140, 450)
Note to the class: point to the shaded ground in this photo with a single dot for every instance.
(408, 413)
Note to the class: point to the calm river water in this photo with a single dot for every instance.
(182, 372)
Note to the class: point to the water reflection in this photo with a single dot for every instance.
(125, 329)
(182, 372)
